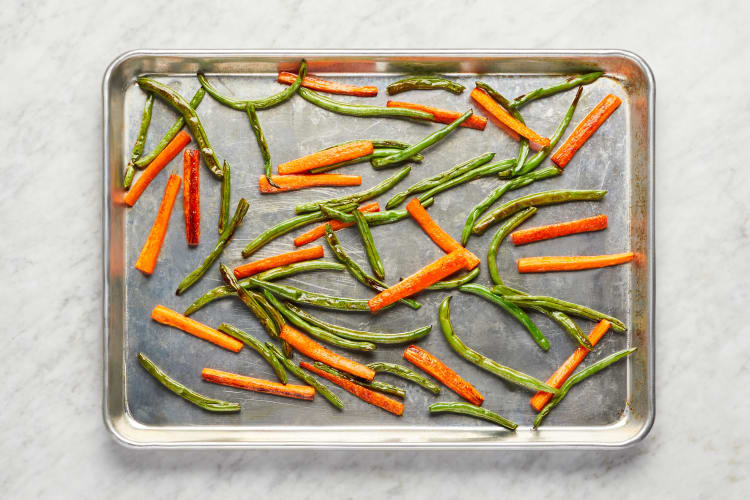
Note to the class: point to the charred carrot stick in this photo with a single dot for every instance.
(294, 182)
(312, 349)
(492, 107)
(442, 115)
(427, 276)
(168, 317)
(439, 370)
(306, 392)
(320, 231)
(436, 233)
(315, 83)
(363, 393)
(343, 152)
(283, 259)
(150, 253)
(572, 263)
(173, 149)
(585, 129)
(556, 380)
(191, 196)
(532, 234)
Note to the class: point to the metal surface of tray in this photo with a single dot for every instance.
(610, 410)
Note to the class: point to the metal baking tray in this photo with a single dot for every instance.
(612, 410)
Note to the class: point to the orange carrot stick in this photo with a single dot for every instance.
(191, 196)
(294, 182)
(572, 263)
(442, 115)
(319, 231)
(283, 259)
(326, 157)
(168, 317)
(532, 234)
(150, 253)
(363, 393)
(312, 349)
(541, 398)
(492, 107)
(585, 129)
(315, 83)
(156, 166)
(436, 368)
(436, 233)
(305, 392)
(427, 276)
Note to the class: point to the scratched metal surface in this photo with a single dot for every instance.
(601, 406)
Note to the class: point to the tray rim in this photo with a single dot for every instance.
(113, 426)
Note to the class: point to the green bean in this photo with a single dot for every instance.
(356, 271)
(191, 119)
(463, 408)
(553, 89)
(356, 198)
(426, 82)
(405, 373)
(360, 110)
(374, 385)
(170, 134)
(374, 337)
(469, 176)
(312, 298)
(306, 377)
(249, 298)
(535, 200)
(416, 158)
(204, 402)
(376, 153)
(523, 151)
(511, 309)
(428, 141)
(260, 138)
(372, 218)
(318, 333)
(579, 377)
(226, 190)
(266, 102)
(275, 315)
(373, 256)
(500, 235)
(455, 283)
(140, 141)
(257, 346)
(435, 180)
(482, 361)
(224, 240)
(554, 304)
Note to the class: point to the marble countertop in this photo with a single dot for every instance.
(54, 443)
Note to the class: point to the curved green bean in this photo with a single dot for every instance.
(555, 304)
(469, 176)
(424, 83)
(257, 346)
(197, 399)
(500, 235)
(224, 239)
(226, 190)
(140, 141)
(312, 298)
(554, 89)
(260, 138)
(482, 361)
(250, 299)
(375, 385)
(361, 110)
(373, 256)
(406, 374)
(455, 283)
(463, 408)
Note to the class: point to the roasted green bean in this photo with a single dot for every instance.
(554, 89)
(406, 374)
(372, 218)
(312, 298)
(250, 299)
(455, 283)
(374, 385)
(140, 141)
(463, 408)
(361, 110)
(257, 346)
(523, 150)
(373, 256)
(260, 138)
(469, 176)
(376, 153)
(500, 235)
(226, 190)
(424, 82)
(554, 304)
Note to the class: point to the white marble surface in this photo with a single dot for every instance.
(53, 443)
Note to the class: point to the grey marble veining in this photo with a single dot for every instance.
(53, 442)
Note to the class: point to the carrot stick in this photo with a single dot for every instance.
(168, 317)
(326, 157)
(156, 166)
(572, 263)
(497, 111)
(585, 129)
(436, 368)
(442, 115)
(532, 234)
(436, 233)
(150, 253)
(315, 83)
(283, 259)
(191, 196)
(312, 349)
(319, 231)
(363, 393)
(305, 392)
(541, 398)
(425, 277)
(294, 182)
